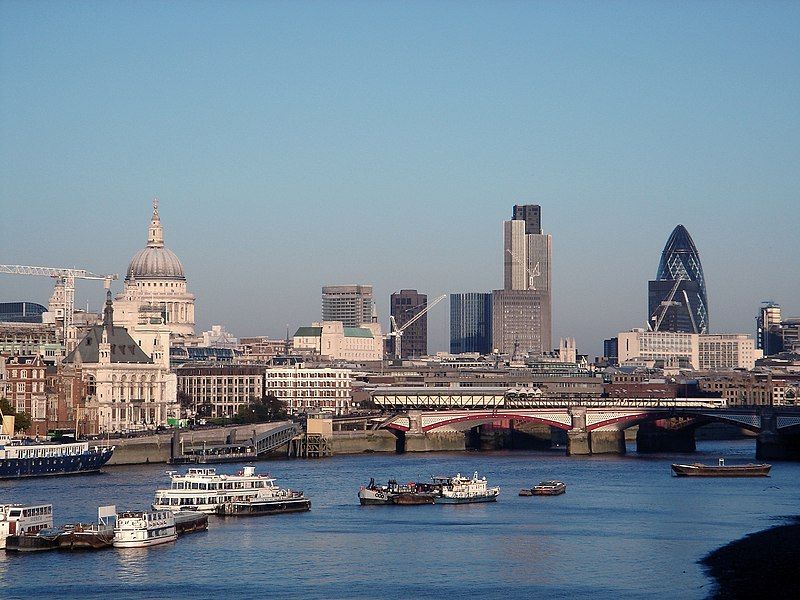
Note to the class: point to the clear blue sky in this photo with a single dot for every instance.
(296, 144)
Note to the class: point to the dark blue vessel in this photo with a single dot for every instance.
(31, 459)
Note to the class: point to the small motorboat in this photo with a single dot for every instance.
(721, 470)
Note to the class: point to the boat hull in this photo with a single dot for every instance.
(253, 509)
(187, 521)
(412, 499)
(87, 462)
(86, 540)
(699, 470)
(470, 500)
(145, 543)
(30, 543)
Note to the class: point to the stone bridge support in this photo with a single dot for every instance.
(652, 438)
(771, 444)
(607, 441)
(577, 437)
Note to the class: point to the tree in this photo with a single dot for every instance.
(185, 400)
(22, 420)
(261, 410)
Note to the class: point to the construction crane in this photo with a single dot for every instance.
(67, 277)
(397, 332)
(530, 275)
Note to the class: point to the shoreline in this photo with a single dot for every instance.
(760, 565)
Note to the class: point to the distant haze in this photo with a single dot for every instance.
(294, 145)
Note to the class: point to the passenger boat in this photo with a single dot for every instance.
(548, 488)
(463, 490)
(393, 493)
(283, 501)
(25, 458)
(24, 520)
(202, 489)
(721, 470)
(138, 529)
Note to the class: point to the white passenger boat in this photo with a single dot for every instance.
(24, 519)
(138, 529)
(463, 490)
(204, 490)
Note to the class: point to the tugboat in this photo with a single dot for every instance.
(394, 493)
(721, 470)
(463, 490)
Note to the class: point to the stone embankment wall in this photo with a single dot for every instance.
(155, 448)
(355, 442)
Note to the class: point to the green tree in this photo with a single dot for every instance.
(22, 420)
(261, 410)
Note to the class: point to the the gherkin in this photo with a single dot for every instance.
(677, 299)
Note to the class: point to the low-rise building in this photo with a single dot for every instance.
(306, 389)
(30, 339)
(25, 388)
(727, 351)
(220, 391)
(331, 340)
(671, 348)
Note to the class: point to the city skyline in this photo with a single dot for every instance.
(311, 166)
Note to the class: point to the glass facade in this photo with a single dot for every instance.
(471, 323)
(677, 299)
(21, 312)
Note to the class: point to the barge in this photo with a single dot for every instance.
(721, 470)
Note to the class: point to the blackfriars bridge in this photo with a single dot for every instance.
(593, 425)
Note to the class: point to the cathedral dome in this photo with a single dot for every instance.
(155, 261)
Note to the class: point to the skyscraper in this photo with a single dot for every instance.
(521, 321)
(768, 329)
(350, 304)
(405, 305)
(677, 299)
(470, 323)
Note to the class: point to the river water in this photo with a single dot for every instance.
(625, 528)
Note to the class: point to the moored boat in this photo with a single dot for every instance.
(24, 520)
(203, 489)
(549, 488)
(189, 521)
(138, 529)
(463, 490)
(394, 493)
(288, 503)
(89, 536)
(45, 539)
(25, 458)
(721, 470)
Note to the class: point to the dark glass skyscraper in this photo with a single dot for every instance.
(677, 299)
(470, 323)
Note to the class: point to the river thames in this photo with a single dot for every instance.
(625, 528)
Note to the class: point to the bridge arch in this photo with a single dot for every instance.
(483, 418)
(627, 421)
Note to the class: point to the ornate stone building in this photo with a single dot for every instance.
(125, 389)
(155, 288)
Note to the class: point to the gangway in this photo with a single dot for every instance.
(271, 440)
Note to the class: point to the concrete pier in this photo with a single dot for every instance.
(578, 443)
(435, 442)
(607, 442)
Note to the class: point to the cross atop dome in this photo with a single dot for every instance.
(156, 231)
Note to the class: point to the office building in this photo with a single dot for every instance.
(768, 329)
(521, 319)
(666, 348)
(520, 322)
(405, 305)
(677, 299)
(353, 305)
(304, 390)
(727, 351)
(332, 340)
(471, 323)
(220, 391)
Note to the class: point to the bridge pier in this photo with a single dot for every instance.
(652, 438)
(435, 441)
(607, 442)
(578, 443)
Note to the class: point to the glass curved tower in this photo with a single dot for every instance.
(677, 299)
